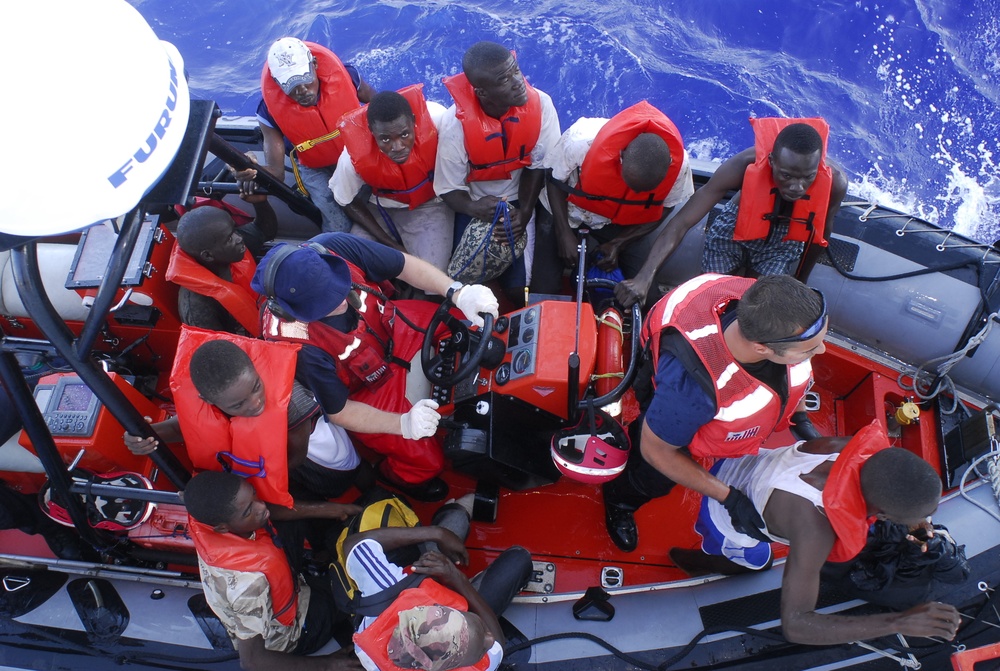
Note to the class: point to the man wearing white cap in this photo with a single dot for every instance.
(306, 89)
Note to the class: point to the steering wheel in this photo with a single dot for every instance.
(460, 335)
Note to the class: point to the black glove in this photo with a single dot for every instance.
(745, 517)
(802, 427)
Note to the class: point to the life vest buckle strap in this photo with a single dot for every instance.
(228, 460)
(309, 144)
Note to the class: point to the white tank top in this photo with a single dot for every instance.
(759, 475)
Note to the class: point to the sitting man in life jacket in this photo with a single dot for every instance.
(819, 497)
(619, 178)
(240, 409)
(391, 145)
(730, 361)
(274, 614)
(213, 263)
(491, 147)
(359, 347)
(443, 621)
(306, 89)
(789, 194)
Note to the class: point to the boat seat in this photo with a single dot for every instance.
(54, 261)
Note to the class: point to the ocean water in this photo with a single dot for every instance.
(910, 87)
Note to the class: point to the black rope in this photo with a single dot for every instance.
(629, 659)
(889, 642)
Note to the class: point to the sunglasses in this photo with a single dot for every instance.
(814, 329)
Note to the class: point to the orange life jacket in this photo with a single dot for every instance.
(313, 130)
(239, 300)
(260, 443)
(748, 410)
(251, 555)
(496, 147)
(843, 503)
(601, 188)
(361, 356)
(760, 201)
(374, 640)
(413, 181)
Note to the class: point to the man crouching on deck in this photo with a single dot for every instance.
(819, 497)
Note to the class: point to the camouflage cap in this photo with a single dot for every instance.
(431, 638)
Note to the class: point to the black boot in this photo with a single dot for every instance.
(621, 526)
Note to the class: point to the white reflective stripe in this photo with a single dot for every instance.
(800, 373)
(582, 470)
(350, 348)
(364, 302)
(298, 330)
(747, 406)
(681, 292)
(702, 332)
(727, 375)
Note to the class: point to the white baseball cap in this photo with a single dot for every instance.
(290, 62)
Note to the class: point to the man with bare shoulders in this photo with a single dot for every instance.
(788, 195)
(819, 497)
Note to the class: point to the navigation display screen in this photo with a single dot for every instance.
(75, 397)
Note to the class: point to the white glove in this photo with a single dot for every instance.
(475, 298)
(421, 421)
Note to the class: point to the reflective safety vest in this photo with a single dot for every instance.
(496, 147)
(239, 300)
(251, 555)
(313, 130)
(601, 188)
(413, 181)
(843, 503)
(253, 447)
(374, 640)
(748, 410)
(760, 202)
(362, 355)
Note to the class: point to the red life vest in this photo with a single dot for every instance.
(313, 130)
(496, 147)
(843, 503)
(413, 181)
(362, 354)
(251, 555)
(263, 440)
(759, 200)
(374, 640)
(604, 191)
(239, 300)
(748, 410)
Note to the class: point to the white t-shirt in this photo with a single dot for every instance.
(372, 572)
(346, 183)
(331, 447)
(452, 166)
(567, 156)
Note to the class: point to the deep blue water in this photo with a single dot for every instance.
(910, 87)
